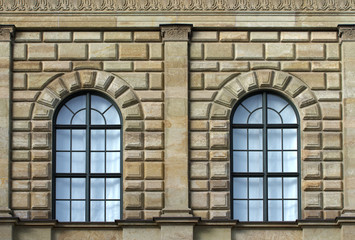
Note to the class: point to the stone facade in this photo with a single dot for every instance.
(176, 77)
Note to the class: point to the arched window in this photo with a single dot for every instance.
(87, 160)
(265, 159)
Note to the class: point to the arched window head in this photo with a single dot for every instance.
(87, 160)
(265, 159)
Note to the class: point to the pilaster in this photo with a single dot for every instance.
(6, 36)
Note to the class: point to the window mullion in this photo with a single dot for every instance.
(87, 200)
(264, 112)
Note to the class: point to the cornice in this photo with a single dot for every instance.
(114, 6)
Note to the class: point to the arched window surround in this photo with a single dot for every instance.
(265, 174)
(88, 152)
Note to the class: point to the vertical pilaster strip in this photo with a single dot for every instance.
(176, 39)
(347, 34)
(6, 35)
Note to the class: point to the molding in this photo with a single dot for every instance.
(176, 32)
(175, 5)
(346, 32)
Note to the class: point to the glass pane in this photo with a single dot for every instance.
(78, 139)
(290, 210)
(256, 161)
(240, 189)
(63, 139)
(113, 140)
(241, 115)
(240, 210)
(274, 139)
(274, 187)
(290, 187)
(113, 188)
(99, 103)
(78, 162)
(256, 117)
(78, 211)
(273, 117)
(97, 211)
(275, 102)
(97, 162)
(80, 117)
(64, 116)
(253, 102)
(239, 139)
(97, 118)
(62, 211)
(97, 139)
(288, 115)
(113, 209)
(256, 210)
(77, 103)
(78, 188)
(63, 162)
(255, 139)
(275, 210)
(62, 188)
(290, 161)
(274, 162)
(113, 162)
(256, 188)
(240, 161)
(290, 139)
(112, 116)
(97, 188)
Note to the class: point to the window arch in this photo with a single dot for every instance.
(265, 159)
(87, 160)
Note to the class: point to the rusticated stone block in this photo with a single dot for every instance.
(312, 155)
(152, 36)
(312, 140)
(196, 51)
(28, 37)
(307, 51)
(332, 170)
(219, 155)
(41, 140)
(313, 200)
(156, 81)
(333, 185)
(199, 110)
(203, 214)
(40, 200)
(312, 185)
(198, 125)
(256, 65)
(209, 66)
(198, 140)
(20, 200)
(219, 200)
(19, 81)
(219, 140)
(150, 214)
(154, 140)
(118, 36)
(40, 214)
(153, 185)
(151, 125)
(40, 170)
(313, 214)
(134, 170)
(239, 66)
(21, 155)
(23, 214)
(332, 155)
(219, 170)
(333, 200)
(20, 140)
(102, 51)
(154, 170)
(36, 81)
(220, 214)
(326, 66)
(331, 214)
(20, 51)
(57, 66)
(153, 200)
(133, 140)
(199, 170)
(294, 36)
(132, 214)
(84, 65)
(199, 185)
(233, 36)
(133, 51)
(311, 170)
(41, 155)
(204, 36)
(154, 155)
(196, 81)
(324, 36)
(332, 141)
(22, 66)
(132, 185)
(316, 81)
(333, 81)
(249, 51)
(116, 66)
(282, 51)
(328, 96)
(22, 110)
(42, 51)
(41, 185)
(41, 126)
(57, 37)
(264, 36)
(87, 36)
(148, 66)
(218, 185)
(219, 51)
(21, 185)
(331, 111)
(156, 51)
(153, 110)
(333, 51)
(296, 66)
(199, 200)
(72, 51)
(199, 155)
(133, 200)
(214, 81)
